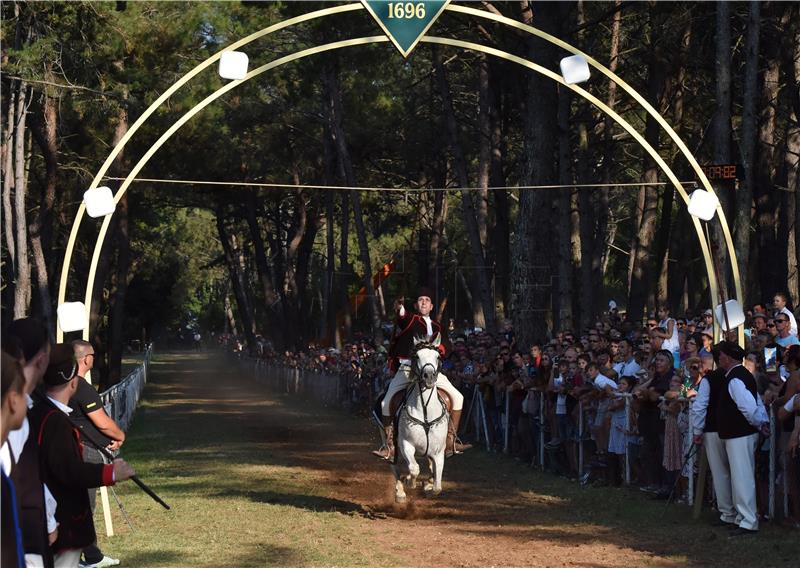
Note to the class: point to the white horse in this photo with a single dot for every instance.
(422, 424)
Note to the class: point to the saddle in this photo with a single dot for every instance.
(399, 398)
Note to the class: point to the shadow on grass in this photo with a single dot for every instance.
(307, 502)
(268, 555)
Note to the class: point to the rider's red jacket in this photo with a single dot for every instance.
(411, 326)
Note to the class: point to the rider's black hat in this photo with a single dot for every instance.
(424, 291)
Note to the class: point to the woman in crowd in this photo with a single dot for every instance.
(691, 348)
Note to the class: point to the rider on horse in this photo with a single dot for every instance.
(411, 326)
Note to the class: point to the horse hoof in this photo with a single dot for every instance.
(399, 499)
(428, 487)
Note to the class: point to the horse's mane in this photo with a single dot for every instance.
(423, 344)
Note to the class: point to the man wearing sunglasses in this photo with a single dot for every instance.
(89, 415)
(784, 337)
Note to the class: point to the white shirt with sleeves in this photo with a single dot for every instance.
(751, 407)
(700, 406)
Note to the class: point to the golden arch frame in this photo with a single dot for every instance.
(713, 284)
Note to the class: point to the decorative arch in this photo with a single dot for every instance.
(713, 284)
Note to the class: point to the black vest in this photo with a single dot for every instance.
(716, 383)
(731, 423)
(27, 479)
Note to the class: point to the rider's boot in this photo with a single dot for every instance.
(386, 451)
(454, 445)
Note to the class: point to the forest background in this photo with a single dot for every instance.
(288, 262)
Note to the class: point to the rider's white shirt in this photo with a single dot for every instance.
(427, 321)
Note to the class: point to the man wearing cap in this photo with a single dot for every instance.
(67, 475)
(415, 326)
(740, 417)
(758, 323)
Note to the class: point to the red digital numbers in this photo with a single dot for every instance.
(721, 172)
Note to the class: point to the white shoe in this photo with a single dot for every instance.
(106, 561)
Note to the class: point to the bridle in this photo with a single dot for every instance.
(421, 384)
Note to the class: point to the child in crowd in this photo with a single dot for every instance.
(671, 409)
(618, 434)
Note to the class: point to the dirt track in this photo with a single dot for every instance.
(493, 511)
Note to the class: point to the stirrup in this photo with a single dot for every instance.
(383, 453)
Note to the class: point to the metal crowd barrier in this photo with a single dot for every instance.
(324, 387)
(120, 401)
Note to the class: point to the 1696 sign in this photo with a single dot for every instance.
(406, 10)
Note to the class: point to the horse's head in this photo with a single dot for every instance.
(426, 361)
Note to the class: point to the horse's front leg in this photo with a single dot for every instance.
(413, 466)
(405, 453)
(438, 467)
(399, 490)
(429, 484)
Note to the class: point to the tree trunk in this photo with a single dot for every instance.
(302, 271)
(482, 304)
(436, 238)
(235, 262)
(771, 250)
(230, 321)
(744, 195)
(122, 240)
(116, 333)
(328, 297)
(663, 240)
(22, 284)
(40, 230)
(532, 246)
(345, 271)
(600, 248)
(484, 149)
(500, 237)
(792, 164)
(10, 268)
(563, 305)
(641, 275)
(265, 275)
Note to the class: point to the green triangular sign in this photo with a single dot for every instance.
(405, 22)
